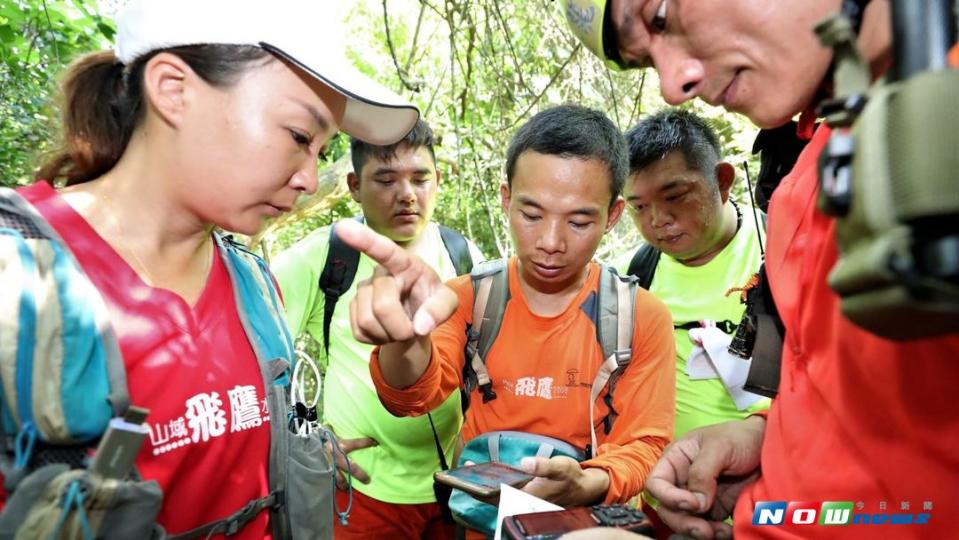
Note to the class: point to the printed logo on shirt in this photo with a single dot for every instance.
(546, 388)
(205, 418)
(833, 513)
(534, 387)
(571, 376)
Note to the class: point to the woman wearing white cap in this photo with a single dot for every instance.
(209, 114)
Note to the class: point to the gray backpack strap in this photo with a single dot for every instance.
(279, 445)
(490, 295)
(614, 332)
(231, 524)
(493, 444)
(459, 250)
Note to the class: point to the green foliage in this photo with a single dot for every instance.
(37, 40)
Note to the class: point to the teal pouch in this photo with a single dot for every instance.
(507, 447)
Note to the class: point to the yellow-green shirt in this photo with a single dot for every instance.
(696, 293)
(401, 466)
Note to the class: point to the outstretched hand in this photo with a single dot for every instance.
(700, 476)
(404, 299)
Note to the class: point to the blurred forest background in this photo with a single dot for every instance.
(476, 68)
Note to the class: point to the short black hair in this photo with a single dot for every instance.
(654, 137)
(572, 131)
(421, 136)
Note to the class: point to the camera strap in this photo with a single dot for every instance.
(439, 447)
(441, 491)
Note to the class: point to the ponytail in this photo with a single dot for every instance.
(98, 117)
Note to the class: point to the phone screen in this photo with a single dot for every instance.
(552, 523)
(490, 475)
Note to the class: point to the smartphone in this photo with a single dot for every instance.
(546, 525)
(483, 479)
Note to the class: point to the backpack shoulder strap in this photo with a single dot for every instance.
(339, 270)
(490, 294)
(614, 332)
(458, 249)
(258, 305)
(643, 265)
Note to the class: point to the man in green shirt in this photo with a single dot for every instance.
(678, 193)
(393, 459)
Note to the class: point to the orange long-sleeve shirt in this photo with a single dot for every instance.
(542, 369)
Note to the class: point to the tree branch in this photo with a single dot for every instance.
(638, 102)
(56, 45)
(331, 188)
(416, 36)
(612, 93)
(539, 96)
(509, 43)
(412, 87)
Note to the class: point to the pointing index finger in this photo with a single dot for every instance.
(378, 247)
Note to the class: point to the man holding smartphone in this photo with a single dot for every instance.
(565, 170)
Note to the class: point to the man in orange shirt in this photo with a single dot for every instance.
(564, 173)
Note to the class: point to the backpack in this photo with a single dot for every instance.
(339, 270)
(60, 334)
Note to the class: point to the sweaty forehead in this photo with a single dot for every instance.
(573, 180)
(652, 181)
(673, 165)
(402, 157)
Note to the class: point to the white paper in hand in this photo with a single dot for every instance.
(513, 502)
(698, 366)
(732, 370)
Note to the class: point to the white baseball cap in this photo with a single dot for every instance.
(299, 31)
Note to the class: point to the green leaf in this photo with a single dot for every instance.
(7, 34)
(107, 30)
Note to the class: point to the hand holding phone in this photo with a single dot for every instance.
(482, 480)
